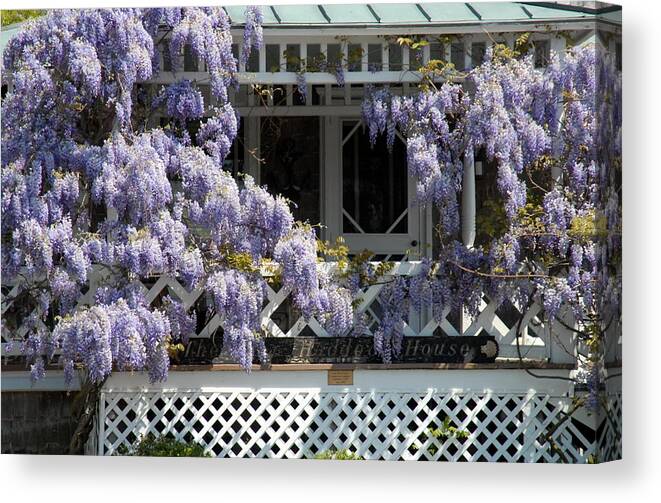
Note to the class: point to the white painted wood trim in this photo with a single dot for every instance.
(468, 203)
(456, 381)
(284, 78)
(321, 32)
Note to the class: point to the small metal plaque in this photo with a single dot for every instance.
(340, 377)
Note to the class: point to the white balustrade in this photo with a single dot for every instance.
(492, 320)
(383, 415)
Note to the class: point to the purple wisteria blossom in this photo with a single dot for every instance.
(561, 238)
(82, 191)
(253, 37)
(183, 102)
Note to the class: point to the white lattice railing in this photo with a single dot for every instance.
(280, 319)
(384, 415)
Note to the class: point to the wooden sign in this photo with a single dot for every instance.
(340, 377)
(419, 349)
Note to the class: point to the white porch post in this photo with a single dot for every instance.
(468, 207)
(468, 51)
(468, 211)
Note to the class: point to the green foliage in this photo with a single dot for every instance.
(315, 63)
(356, 265)
(503, 53)
(355, 55)
(447, 430)
(492, 219)
(291, 57)
(412, 42)
(594, 340)
(174, 350)
(164, 446)
(336, 252)
(435, 69)
(17, 16)
(341, 455)
(530, 219)
(443, 433)
(522, 44)
(241, 262)
(589, 226)
(339, 252)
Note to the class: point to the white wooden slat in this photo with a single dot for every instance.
(313, 78)
(301, 422)
(487, 321)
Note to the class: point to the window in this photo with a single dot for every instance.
(457, 56)
(272, 58)
(315, 58)
(97, 215)
(489, 217)
(478, 50)
(374, 183)
(355, 58)
(190, 60)
(279, 95)
(235, 160)
(293, 57)
(167, 58)
(542, 53)
(416, 57)
(290, 152)
(252, 65)
(395, 57)
(334, 54)
(436, 51)
(375, 57)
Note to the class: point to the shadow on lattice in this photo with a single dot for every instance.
(391, 426)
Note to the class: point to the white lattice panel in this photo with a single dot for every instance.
(492, 319)
(292, 422)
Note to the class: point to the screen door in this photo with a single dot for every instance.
(374, 210)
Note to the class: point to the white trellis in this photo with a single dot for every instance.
(289, 414)
(537, 340)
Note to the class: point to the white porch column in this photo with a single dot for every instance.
(468, 206)
(468, 51)
(468, 210)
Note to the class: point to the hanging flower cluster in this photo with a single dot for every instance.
(183, 101)
(253, 37)
(562, 238)
(432, 144)
(71, 147)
